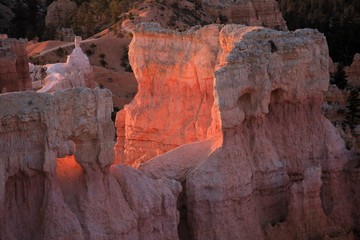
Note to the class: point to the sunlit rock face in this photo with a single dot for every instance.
(175, 74)
(14, 68)
(76, 72)
(80, 196)
(278, 168)
(250, 12)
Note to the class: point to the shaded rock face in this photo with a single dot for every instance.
(14, 67)
(353, 71)
(278, 169)
(76, 197)
(249, 12)
(58, 12)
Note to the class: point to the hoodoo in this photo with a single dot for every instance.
(274, 167)
(76, 72)
(76, 197)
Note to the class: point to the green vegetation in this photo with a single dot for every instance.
(339, 20)
(93, 15)
(339, 78)
(353, 108)
(102, 60)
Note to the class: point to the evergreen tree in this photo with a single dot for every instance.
(339, 77)
(353, 108)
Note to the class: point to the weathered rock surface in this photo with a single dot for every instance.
(183, 14)
(353, 72)
(175, 84)
(14, 68)
(250, 12)
(76, 72)
(279, 169)
(58, 12)
(80, 196)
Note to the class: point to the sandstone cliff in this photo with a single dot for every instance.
(250, 12)
(58, 12)
(268, 164)
(182, 14)
(14, 68)
(76, 197)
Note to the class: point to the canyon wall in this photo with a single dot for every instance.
(14, 68)
(43, 196)
(276, 168)
(58, 12)
(249, 12)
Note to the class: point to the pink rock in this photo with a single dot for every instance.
(279, 168)
(76, 197)
(14, 68)
(76, 72)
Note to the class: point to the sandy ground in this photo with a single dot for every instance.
(108, 74)
(123, 85)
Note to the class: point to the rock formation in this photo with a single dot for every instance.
(250, 12)
(266, 164)
(76, 197)
(58, 12)
(76, 72)
(14, 68)
(353, 72)
(183, 14)
(175, 84)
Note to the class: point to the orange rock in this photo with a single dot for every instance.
(276, 169)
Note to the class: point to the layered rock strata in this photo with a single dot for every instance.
(276, 168)
(175, 92)
(250, 12)
(14, 68)
(58, 12)
(76, 197)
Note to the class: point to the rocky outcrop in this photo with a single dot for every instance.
(175, 85)
(14, 68)
(76, 72)
(250, 12)
(276, 168)
(183, 14)
(76, 197)
(353, 72)
(58, 12)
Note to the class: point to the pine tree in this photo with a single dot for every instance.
(339, 77)
(353, 108)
